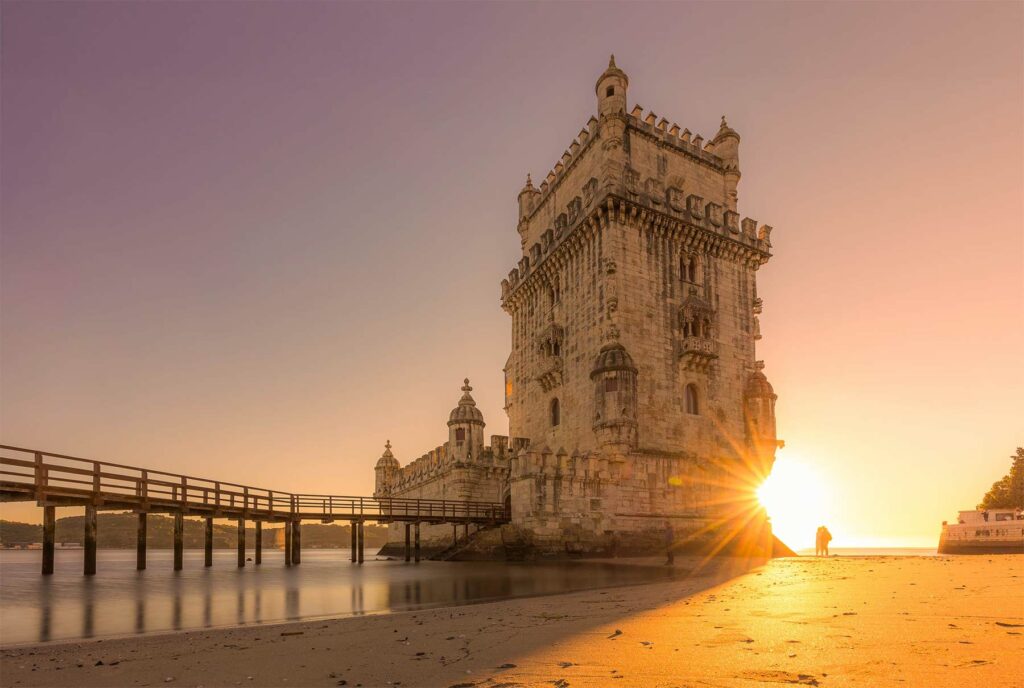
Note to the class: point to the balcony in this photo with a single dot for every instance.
(550, 375)
(697, 353)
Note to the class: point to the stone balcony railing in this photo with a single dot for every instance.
(697, 352)
(550, 375)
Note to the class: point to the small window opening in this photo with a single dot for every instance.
(556, 416)
(609, 92)
(691, 400)
(556, 349)
(460, 434)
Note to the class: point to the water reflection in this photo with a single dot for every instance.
(120, 600)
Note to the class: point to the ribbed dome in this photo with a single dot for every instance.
(387, 459)
(613, 356)
(758, 385)
(466, 411)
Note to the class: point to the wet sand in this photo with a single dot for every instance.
(865, 621)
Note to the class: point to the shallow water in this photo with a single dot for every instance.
(119, 600)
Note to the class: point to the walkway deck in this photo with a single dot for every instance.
(57, 480)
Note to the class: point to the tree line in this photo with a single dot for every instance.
(119, 531)
(1008, 491)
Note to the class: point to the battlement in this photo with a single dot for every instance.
(440, 460)
(677, 212)
(682, 140)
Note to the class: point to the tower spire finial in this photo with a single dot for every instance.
(466, 387)
(611, 61)
(387, 444)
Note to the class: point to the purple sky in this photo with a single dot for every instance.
(251, 241)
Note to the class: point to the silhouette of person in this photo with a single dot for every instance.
(826, 537)
(817, 541)
(670, 541)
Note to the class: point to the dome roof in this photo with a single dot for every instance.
(466, 411)
(758, 385)
(612, 70)
(725, 131)
(387, 459)
(613, 356)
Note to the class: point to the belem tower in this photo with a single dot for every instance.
(633, 391)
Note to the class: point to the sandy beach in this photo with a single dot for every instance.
(867, 621)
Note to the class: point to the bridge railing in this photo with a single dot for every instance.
(39, 475)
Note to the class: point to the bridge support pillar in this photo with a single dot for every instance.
(362, 541)
(296, 542)
(287, 543)
(258, 559)
(355, 542)
(90, 541)
(416, 547)
(241, 543)
(208, 543)
(49, 537)
(179, 540)
(140, 543)
(408, 544)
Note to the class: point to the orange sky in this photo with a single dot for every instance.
(252, 244)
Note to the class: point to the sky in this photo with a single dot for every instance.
(253, 241)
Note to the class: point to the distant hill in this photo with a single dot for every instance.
(118, 531)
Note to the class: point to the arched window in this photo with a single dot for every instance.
(688, 269)
(556, 348)
(460, 434)
(691, 400)
(556, 415)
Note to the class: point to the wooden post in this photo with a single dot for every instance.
(140, 543)
(408, 543)
(287, 543)
(208, 543)
(49, 531)
(362, 541)
(465, 531)
(296, 543)
(241, 543)
(179, 540)
(90, 540)
(259, 543)
(455, 534)
(355, 542)
(416, 546)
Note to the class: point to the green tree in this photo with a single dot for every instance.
(1008, 492)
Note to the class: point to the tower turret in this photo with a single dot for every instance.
(759, 413)
(615, 398)
(727, 147)
(527, 202)
(466, 427)
(611, 90)
(384, 472)
(611, 109)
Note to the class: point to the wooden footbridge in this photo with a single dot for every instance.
(57, 480)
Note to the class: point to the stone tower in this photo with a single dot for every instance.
(634, 307)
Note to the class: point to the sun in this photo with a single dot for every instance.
(797, 500)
